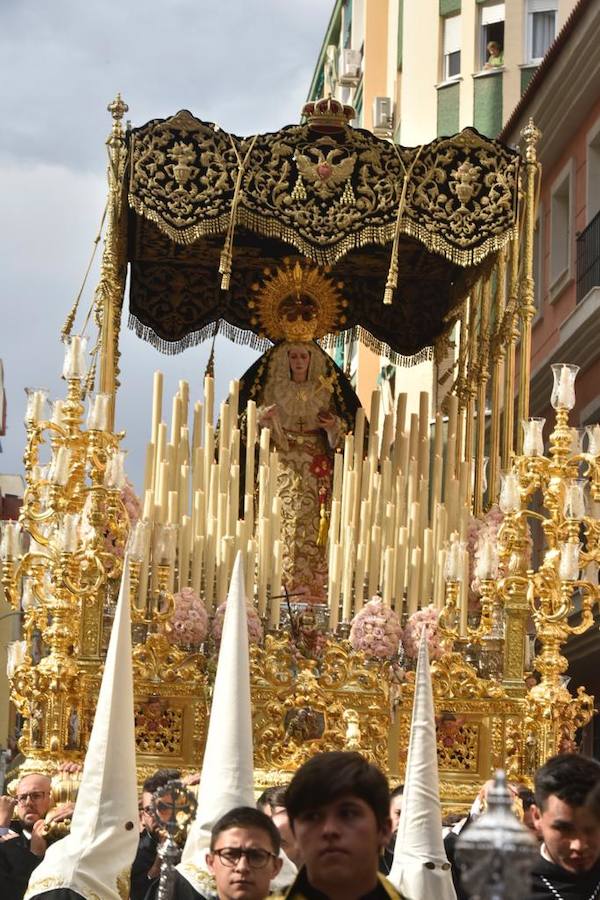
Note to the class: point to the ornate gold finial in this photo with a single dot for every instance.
(117, 108)
(531, 134)
(297, 302)
(328, 115)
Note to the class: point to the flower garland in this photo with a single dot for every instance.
(426, 618)
(376, 630)
(189, 623)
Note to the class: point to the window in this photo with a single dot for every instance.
(347, 24)
(451, 68)
(491, 35)
(593, 172)
(560, 226)
(541, 27)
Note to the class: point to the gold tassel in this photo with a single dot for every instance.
(323, 526)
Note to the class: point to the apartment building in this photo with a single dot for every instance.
(415, 70)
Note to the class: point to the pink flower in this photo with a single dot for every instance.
(426, 618)
(189, 623)
(376, 630)
(255, 629)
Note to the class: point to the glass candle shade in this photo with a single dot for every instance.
(454, 557)
(574, 502)
(533, 440)
(10, 542)
(59, 467)
(97, 419)
(58, 413)
(114, 474)
(165, 544)
(577, 435)
(137, 545)
(568, 567)
(563, 390)
(593, 436)
(75, 357)
(68, 535)
(36, 401)
(487, 560)
(510, 497)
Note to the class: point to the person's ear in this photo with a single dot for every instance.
(385, 833)
(277, 864)
(536, 813)
(209, 863)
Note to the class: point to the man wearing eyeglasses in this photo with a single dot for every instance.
(243, 857)
(22, 842)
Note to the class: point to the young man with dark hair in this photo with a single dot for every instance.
(243, 857)
(569, 864)
(271, 798)
(338, 807)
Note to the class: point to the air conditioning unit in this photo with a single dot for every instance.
(349, 67)
(382, 115)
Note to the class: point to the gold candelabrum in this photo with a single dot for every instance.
(558, 493)
(61, 563)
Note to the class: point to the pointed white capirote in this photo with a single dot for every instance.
(104, 833)
(420, 869)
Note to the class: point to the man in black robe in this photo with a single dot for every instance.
(568, 867)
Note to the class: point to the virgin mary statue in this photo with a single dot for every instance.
(308, 405)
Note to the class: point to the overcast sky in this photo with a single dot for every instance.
(245, 64)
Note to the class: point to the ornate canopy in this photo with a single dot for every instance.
(202, 201)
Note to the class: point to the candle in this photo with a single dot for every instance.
(574, 503)
(157, 394)
(74, 364)
(97, 419)
(487, 561)
(276, 584)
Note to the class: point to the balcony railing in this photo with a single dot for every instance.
(588, 258)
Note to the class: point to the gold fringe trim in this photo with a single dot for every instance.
(332, 342)
(172, 348)
(327, 256)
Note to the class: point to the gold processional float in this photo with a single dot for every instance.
(355, 534)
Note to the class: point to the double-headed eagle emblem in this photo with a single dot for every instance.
(325, 173)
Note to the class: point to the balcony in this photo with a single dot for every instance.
(588, 258)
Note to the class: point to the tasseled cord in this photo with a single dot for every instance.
(392, 278)
(227, 251)
(323, 519)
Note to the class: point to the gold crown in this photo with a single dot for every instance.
(297, 302)
(328, 115)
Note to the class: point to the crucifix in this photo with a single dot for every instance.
(300, 421)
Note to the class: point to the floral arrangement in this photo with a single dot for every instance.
(189, 623)
(426, 618)
(255, 629)
(376, 630)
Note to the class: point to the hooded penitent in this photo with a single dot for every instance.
(104, 830)
(420, 869)
(227, 778)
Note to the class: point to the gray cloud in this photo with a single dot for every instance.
(246, 65)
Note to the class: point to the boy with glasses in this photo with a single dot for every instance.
(243, 857)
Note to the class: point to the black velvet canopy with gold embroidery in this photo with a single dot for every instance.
(333, 199)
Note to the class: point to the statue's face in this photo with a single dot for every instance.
(299, 360)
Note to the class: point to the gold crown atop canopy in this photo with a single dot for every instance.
(328, 115)
(297, 302)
